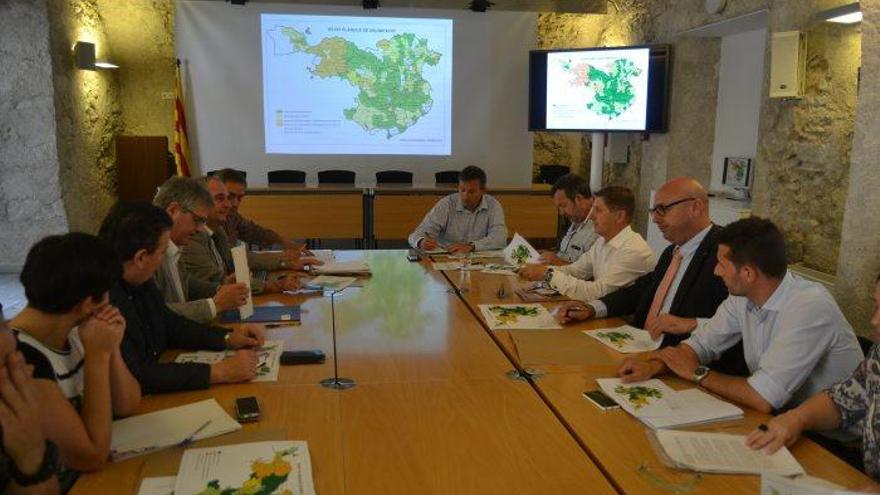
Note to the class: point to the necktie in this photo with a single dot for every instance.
(663, 289)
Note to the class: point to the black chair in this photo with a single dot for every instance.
(286, 177)
(446, 177)
(336, 177)
(549, 174)
(394, 177)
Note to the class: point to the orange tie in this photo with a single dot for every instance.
(663, 289)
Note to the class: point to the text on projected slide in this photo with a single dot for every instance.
(357, 85)
(602, 89)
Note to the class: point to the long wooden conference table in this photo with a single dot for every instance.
(443, 405)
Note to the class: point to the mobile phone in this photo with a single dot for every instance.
(247, 409)
(313, 356)
(412, 255)
(600, 400)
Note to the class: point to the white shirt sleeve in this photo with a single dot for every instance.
(623, 267)
(433, 224)
(722, 331)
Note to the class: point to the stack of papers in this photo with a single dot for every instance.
(498, 269)
(268, 359)
(773, 484)
(520, 252)
(455, 265)
(342, 267)
(259, 467)
(722, 453)
(329, 282)
(652, 402)
(518, 317)
(626, 339)
(147, 433)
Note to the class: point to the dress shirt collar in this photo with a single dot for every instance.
(459, 205)
(173, 250)
(621, 237)
(775, 301)
(689, 247)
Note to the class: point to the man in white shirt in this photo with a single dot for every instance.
(619, 257)
(189, 204)
(470, 220)
(572, 197)
(796, 342)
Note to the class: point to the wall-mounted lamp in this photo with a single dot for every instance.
(846, 14)
(84, 57)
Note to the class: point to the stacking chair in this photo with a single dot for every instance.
(446, 177)
(394, 177)
(336, 177)
(286, 177)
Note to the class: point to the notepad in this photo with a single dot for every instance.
(150, 432)
(259, 467)
(658, 406)
(262, 314)
(722, 453)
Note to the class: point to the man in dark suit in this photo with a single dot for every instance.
(140, 234)
(683, 286)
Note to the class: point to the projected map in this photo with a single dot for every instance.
(605, 89)
(357, 85)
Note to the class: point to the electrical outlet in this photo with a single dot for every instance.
(168, 95)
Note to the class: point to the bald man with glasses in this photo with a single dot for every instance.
(683, 285)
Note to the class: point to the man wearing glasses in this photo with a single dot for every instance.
(189, 204)
(683, 285)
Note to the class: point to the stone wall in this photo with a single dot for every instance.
(30, 195)
(146, 57)
(88, 117)
(804, 146)
(859, 261)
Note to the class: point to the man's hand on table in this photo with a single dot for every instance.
(571, 311)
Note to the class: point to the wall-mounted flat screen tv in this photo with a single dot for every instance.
(617, 89)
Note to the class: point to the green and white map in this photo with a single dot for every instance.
(357, 85)
(605, 89)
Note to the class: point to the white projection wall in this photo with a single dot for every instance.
(221, 47)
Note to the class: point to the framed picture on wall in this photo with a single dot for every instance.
(737, 172)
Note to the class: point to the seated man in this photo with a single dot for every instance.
(29, 460)
(71, 335)
(239, 228)
(207, 256)
(188, 205)
(683, 286)
(795, 340)
(140, 234)
(618, 258)
(572, 197)
(470, 220)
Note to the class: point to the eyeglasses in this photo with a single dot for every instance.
(661, 210)
(200, 220)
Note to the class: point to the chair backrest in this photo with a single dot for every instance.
(336, 177)
(866, 344)
(212, 172)
(549, 174)
(446, 177)
(286, 177)
(394, 177)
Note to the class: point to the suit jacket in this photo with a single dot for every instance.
(152, 328)
(198, 260)
(698, 296)
(195, 305)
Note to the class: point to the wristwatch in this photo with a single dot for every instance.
(700, 374)
(47, 469)
(226, 339)
(548, 275)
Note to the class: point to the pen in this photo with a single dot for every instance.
(281, 325)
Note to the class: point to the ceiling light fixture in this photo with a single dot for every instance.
(846, 14)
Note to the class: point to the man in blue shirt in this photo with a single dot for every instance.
(469, 220)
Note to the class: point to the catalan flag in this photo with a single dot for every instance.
(181, 141)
